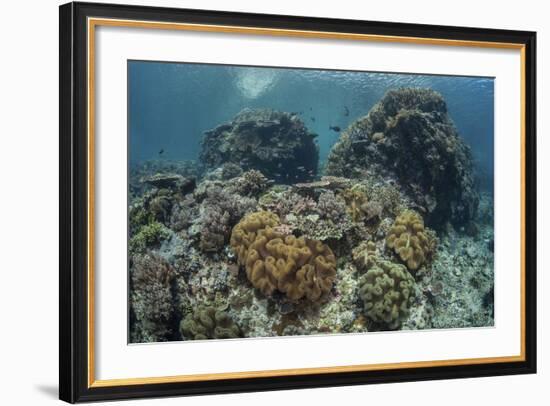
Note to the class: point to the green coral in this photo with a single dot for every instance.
(410, 240)
(298, 267)
(387, 291)
(208, 322)
(148, 235)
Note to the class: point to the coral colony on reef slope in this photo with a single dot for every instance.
(258, 239)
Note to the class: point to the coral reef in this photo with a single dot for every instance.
(298, 267)
(252, 242)
(409, 136)
(151, 300)
(208, 322)
(387, 290)
(413, 243)
(274, 142)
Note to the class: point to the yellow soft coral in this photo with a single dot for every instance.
(410, 240)
(298, 267)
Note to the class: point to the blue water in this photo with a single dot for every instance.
(172, 104)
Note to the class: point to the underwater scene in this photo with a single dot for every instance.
(267, 202)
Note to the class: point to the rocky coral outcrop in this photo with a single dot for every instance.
(411, 241)
(387, 290)
(298, 267)
(409, 136)
(208, 322)
(277, 143)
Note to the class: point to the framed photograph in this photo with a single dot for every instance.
(257, 202)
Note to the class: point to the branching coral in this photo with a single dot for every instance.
(298, 267)
(220, 211)
(208, 322)
(387, 291)
(410, 240)
(151, 299)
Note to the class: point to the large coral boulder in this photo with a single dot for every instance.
(409, 136)
(276, 143)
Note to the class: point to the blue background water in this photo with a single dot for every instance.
(172, 104)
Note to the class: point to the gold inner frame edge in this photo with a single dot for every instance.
(94, 22)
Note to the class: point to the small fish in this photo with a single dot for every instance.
(346, 111)
(311, 109)
(312, 119)
(314, 135)
(334, 128)
(161, 151)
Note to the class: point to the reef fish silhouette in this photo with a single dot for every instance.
(335, 128)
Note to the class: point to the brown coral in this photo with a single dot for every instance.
(410, 240)
(298, 267)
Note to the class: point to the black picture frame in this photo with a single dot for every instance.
(74, 384)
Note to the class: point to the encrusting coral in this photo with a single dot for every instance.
(410, 240)
(298, 267)
(208, 322)
(151, 300)
(387, 291)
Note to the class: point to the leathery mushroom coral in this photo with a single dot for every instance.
(208, 322)
(298, 267)
(387, 291)
(410, 240)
